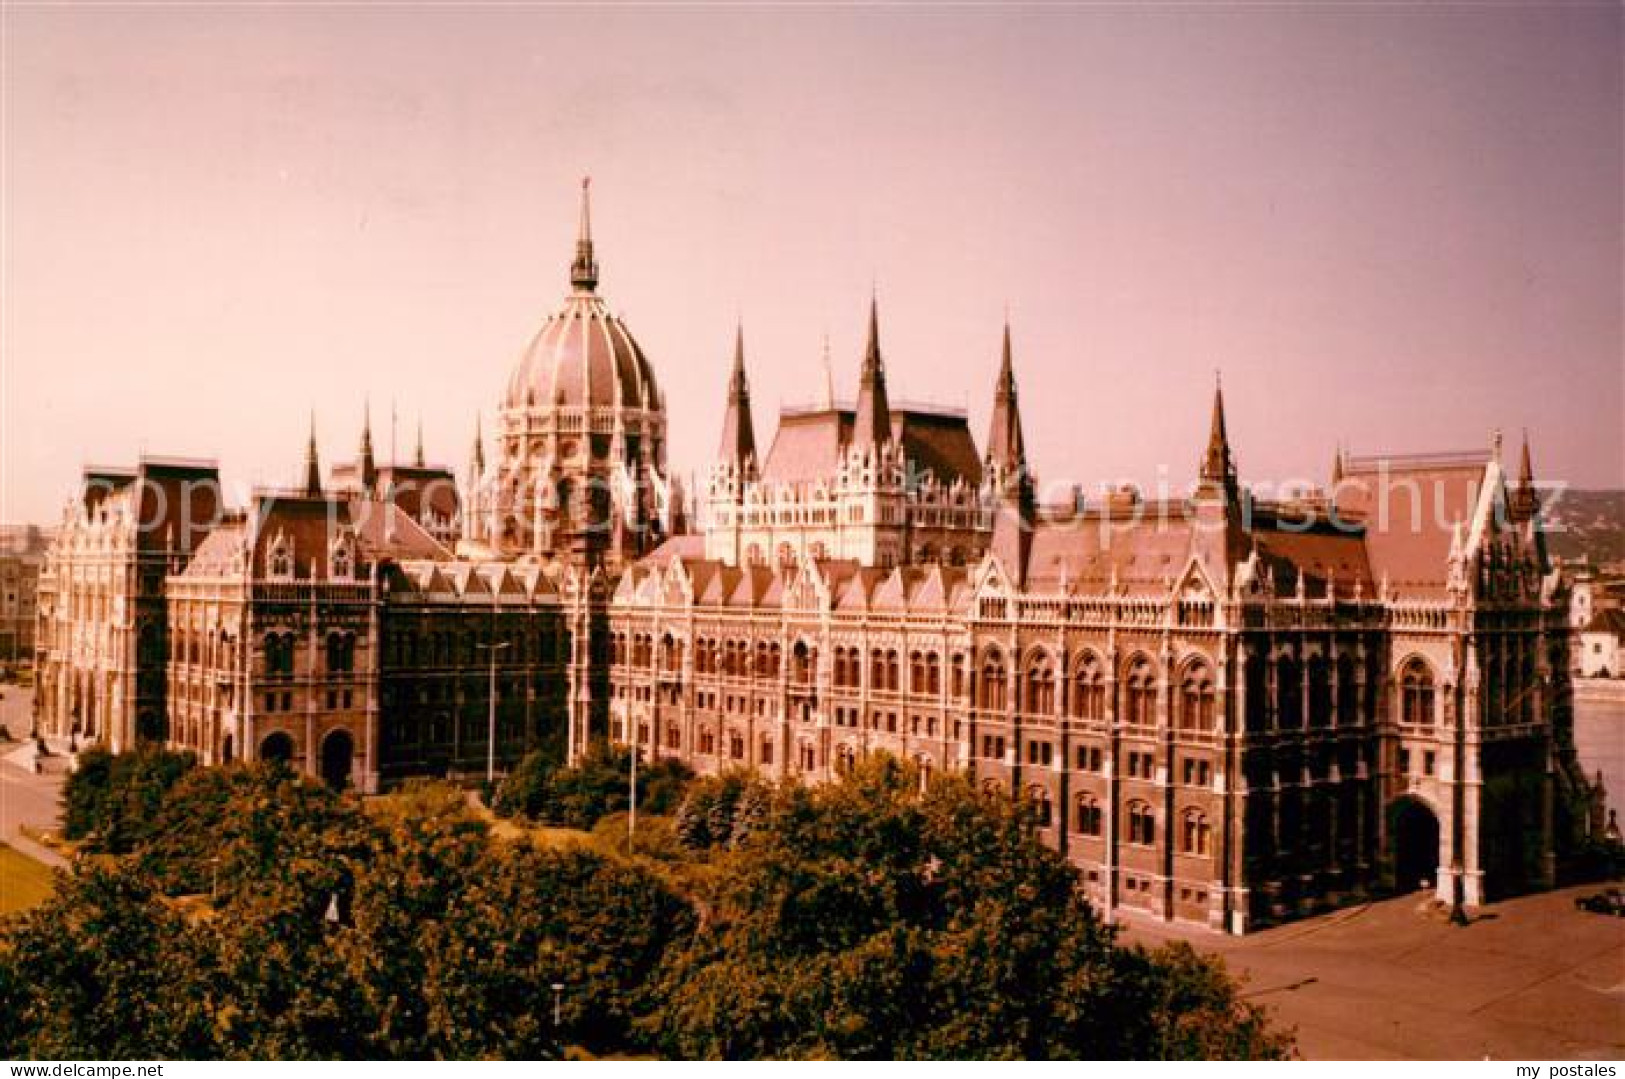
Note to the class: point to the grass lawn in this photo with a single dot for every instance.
(23, 881)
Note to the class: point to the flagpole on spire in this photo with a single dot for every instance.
(584, 270)
(829, 376)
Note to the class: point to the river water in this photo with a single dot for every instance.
(1599, 733)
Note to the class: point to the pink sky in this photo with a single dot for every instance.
(1395, 227)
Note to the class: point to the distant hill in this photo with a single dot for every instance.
(1588, 524)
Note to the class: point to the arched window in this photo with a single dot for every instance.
(1140, 693)
(1088, 820)
(916, 673)
(1043, 810)
(1040, 687)
(1288, 693)
(1347, 692)
(1088, 690)
(281, 560)
(993, 681)
(1320, 691)
(877, 669)
(933, 674)
(1196, 699)
(340, 653)
(806, 662)
(278, 654)
(1416, 693)
(893, 672)
(1256, 680)
(1141, 824)
(343, 567)
(1195, 836)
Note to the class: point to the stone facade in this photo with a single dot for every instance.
(22, 556)
(1226, 711)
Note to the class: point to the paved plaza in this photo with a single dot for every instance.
(1531, 978)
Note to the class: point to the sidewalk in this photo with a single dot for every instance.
(31, 801)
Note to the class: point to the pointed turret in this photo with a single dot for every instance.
(738, 434)
(1218, 466)
(872, 424)
(369, 470)
(1525, 499)
(313, 467)
(584, 270)
(1006, 476)
(1337, 467)
(1006, 450)
(477, 458)
(417, 452)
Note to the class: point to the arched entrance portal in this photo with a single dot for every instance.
(1414, 832)
(338, 749)
(277, 747)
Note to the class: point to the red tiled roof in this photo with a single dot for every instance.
(807, 446)
(1608, 620)
(1410, 506)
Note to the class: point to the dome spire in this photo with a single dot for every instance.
(584, 270)
(417, 454)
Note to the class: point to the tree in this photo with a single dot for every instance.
(427, 851)
(104, 969)
(109, 799)
(536, 918)
(867, 918)
(598, 785)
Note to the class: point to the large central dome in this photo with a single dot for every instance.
(583, 356)
(581, 438)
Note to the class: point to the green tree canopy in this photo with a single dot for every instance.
(869, 918)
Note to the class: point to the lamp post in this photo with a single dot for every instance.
(558, 998)
(491, 727)
(632, 790)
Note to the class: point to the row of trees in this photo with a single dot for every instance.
(258, 914)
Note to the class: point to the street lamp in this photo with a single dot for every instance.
(491, 729)
(632, 792)
(558, 997)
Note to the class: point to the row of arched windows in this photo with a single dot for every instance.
(734, 657)
(1139, 823)
(1194, 704)
(451, 648)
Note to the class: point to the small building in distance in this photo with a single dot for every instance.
(1602, 645)
(22, 553)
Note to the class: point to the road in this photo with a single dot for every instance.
(1531, 979)
(25, 798)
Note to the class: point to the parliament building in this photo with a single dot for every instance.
(1224, 710)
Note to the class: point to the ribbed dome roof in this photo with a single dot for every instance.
(583, 356)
